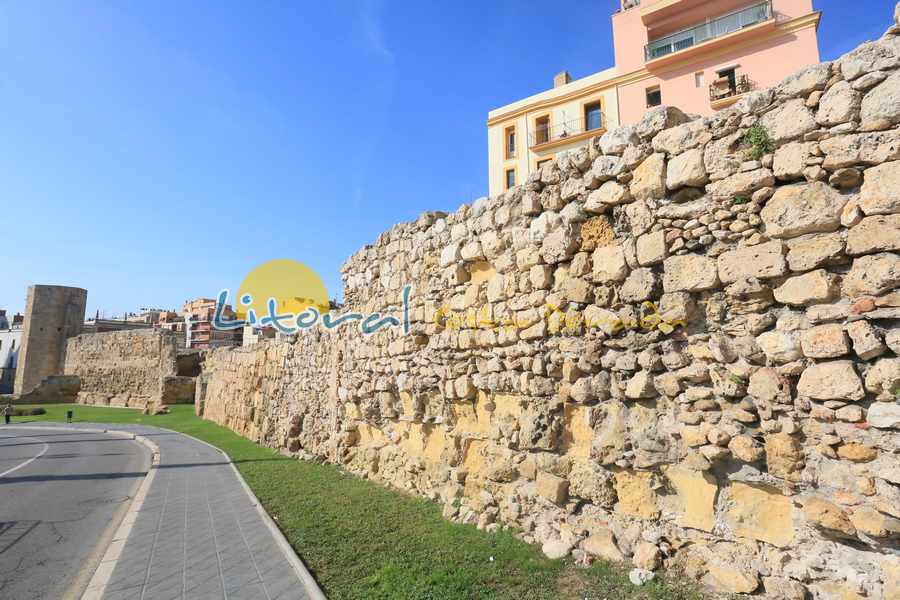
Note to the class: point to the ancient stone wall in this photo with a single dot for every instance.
(677, 346)
(128, 368)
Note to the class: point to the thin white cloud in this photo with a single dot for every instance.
(373, 29)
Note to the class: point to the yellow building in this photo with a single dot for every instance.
(523, 134)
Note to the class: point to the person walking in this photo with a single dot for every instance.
(8, 412)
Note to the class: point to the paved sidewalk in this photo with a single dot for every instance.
(198, 534)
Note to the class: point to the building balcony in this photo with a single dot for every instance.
(705, 34)
(565, 133)
(724, 93)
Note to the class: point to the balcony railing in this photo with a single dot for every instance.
(561, 131)
(712, 29)
(719, 91)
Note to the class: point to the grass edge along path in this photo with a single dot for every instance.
(363, 540)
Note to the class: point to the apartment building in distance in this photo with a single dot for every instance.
(698, 55)
(197, 318)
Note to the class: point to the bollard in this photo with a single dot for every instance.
(69, 416)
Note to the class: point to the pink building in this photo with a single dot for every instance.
(698, 55)
(702, 55)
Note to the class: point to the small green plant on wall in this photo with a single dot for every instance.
(758, 141)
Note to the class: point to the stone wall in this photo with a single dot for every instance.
(674, 347)
(128, 368)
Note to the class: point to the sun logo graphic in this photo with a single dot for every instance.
(293, 286)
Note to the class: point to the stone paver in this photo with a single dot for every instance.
(198, 534)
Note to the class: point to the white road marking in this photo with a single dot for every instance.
(30, 460)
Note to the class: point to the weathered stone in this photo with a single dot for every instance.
(636, 495)
(646, 556)
(880, 193)
(689, 273)
(884, 415)
(768, 385)
(839, 104)
(651, 248)
(779, 346)
(805, 81)
(649, 179)
(618, 138)
(881, 106)
(696, 495)
(686, 169)
(883, 378)
(741, 184)
(761, 513)
(856, 452)
(676, 140)
(788, 121)
(640, 386)
(659, 118)
(873, 523)
(607, 195)
(603, 544)
(872, 275)
(762, 261)
(867, 342)
(825, 341)
(559, 246)
(609, 264)
(784, 456)
(834, 380)
(552, 488)
(597, 232)
(879, 55)
(815, 250)
(790, 160)
(804, 208)
(809, 288)
(874, 234)
(827, 516)
(640, 285)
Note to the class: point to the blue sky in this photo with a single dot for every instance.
(153, 152)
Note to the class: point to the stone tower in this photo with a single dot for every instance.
(53, 314)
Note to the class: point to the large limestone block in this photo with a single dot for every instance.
(659, 118)
(810, 288)
(872, 275)
(689, 273)
(741, 184)
(825, 341)
(880, 193)
(618, 138)
(649, 179)
(881, 106)
(840, 104)
(686, 169)
(884, 415)
(552, 488)
(874, 234)
(607, 195)
(833, 380)
(609, 264)
(761, 513)
(801, 83)
(804, 208)
(790, 160)
(676, 140)
(779, 346)
(827, 516)
(559, 246)
(784, 456)
(860, 149)
(883, 378)
(789, 121)
(815, 250)
(651, 248)
(880, 55)
(696, 492)
(636, 496)
(762, 261)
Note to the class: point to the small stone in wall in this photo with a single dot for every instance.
(810, 288)
(762, 261)
(867, 341)
(872, 275)
(827, 517)
(874, 234)
(689, 273)
(825, 341)
(880, 193)
(552, 488)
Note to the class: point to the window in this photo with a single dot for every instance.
(510, 178)
(728, 75)
(542, 130)
(699, 79)
(510, 137)
(654, 97)
(593, 116)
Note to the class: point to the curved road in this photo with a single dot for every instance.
(62, 493)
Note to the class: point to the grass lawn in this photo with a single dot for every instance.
(362, 540)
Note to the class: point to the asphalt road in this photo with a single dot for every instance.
(62, 494)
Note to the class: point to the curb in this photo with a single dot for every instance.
(309, 582)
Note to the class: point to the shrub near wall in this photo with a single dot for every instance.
(657, 349)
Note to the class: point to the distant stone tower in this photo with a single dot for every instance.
(53, 314)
